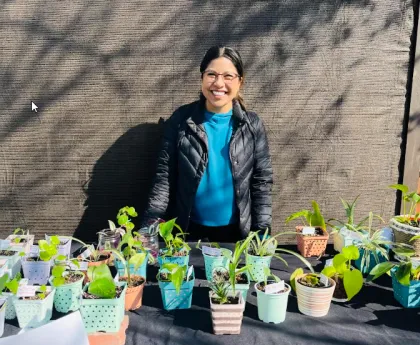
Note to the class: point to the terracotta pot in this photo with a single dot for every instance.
(311, 245)
(134, 297)
(227, 318)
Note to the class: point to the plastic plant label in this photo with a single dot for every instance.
(308, 230)
(189, 272)
(86, 253)
(83, 266)
(34, 250)
(328, 263)
(27, 290)
(324, 280)
(211, 251)
(4, 244)
(276, 287)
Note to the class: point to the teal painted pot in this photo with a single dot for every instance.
(372, 262)
(171, 300)
(103, 315)
(272, 307)
(257, 265)
(212, 262)
(141, 271)
(407, 296)
(243, 288)
(67, 296)
(179, 260)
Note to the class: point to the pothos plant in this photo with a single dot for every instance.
(47, 251)
(124, 219)
(174, 245)
(63, 268)
(410, 199)
(10, 285)
(311, 218)
(174, 273)
(101, 284)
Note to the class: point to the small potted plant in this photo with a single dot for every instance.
(34, 310)
(37, 268)
(64, 248)
(102, 303)
(176, 285)
(226, 309)
(176, 249)
(213, 257)
(3, 302)
(21, 240)
(407, 225)
(405, 277)
(12, 256)
(312, 238)
(348, 281)
(9, 291)
(314, 292)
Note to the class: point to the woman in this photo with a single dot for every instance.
(214, 170)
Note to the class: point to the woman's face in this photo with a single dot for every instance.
(220, 85)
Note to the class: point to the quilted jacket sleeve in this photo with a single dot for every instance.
(261, 181)
(165, 177)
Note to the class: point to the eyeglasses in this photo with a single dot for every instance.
(211, 76)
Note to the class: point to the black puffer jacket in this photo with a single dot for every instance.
(183, 159)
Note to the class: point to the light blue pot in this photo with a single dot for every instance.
(407, 296)
(212, 262)
(272, 307)
(171, 300)
(179, 260)
(141, 271)
(257, 265)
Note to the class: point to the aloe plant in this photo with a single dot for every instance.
(220, 291)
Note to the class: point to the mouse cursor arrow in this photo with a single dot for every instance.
(34, 107)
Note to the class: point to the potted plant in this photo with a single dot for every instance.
(407, 225)
(312, 238)
(348, 281)
(3, 302)
(272, 298)
(64, 248)
(8, 292)
(213, 257)
(37, 268)
(176, 284)
(68, 284)
(314, 292)
(176, 249)
(102, 303)
(260, 252)
(226, 309)
(405, 277)
(12, 256)
(34, 310)
(21, 240)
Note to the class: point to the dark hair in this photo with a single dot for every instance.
(229, 53)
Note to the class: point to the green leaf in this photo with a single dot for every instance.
(379, 270)
(316, 218)
(42, 288)
(404, 251)
(401, 187)
(122, 219)
(97, 272)
(137, 260)
(132, 212)
(44, 255)
(339, 259)
(103, 288)
(43, 245)
(403, 273)
(54, 240)
(58, 271)
(111, 225)
(353, 283)
(351, 252)
(3, 279)
(296, 273)
(58, 281)
(414, 238)
(329, 271)
(302, 213)
(13, 286)
(61, 258)
(300, 257)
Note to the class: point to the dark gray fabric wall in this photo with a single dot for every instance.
(327, 77)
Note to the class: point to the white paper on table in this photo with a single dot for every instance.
(308, 230)
(68, 330)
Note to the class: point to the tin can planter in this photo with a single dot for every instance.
(14, 263)
(257, 265)
(34, 313)
(21, 247)
(407, 296)
(67, 296)
(211, 262)
(37, 272)
(272, 306)
(179, 260)
(314, 301)
(103, 315)
(141, 271)
(171, 300)
(10, 312)
(227, 318)
(134, 295)
(372, 262)
(311, 245)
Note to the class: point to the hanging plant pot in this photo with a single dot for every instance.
(171, 299)
(134, 294)
(407, 296)
(10, 312)
(257, 265)
(227, 318)
(314, 301)
(67, 296)
(34, 313)
(37, 272)
(211, 262)
(309, 245)
(272, 306)
(181, 260)
(103, 315)
(141, 271)
(13, 260)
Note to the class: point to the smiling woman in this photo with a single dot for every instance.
(214, 170)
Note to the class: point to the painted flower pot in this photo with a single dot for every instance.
(67, 296)
(372, 262)
(272, 307)
(14, 263)
(407, 296)
(37, 272)
(103, 315)
(171, 300)
(314, 301)
(141, 271)
(10, 312)
(311, 245)
(21, 247)
(34, 313)
(227, 318)
(2, 316)
(211, 262)
(257, 265)
(179, 260)
(134, 297)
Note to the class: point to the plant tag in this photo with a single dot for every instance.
(86, 253)
(190, 271)
(211, 251)
(117, 278)
(83, 266)
(4, 244)
(324, 280)
(27, 290)
(24, 281)
(308, 230)
(328, 263)
(33, 251)
(276, 287)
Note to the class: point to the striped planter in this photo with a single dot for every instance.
(227, 318)
(314, 301)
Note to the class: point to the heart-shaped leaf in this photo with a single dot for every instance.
(351, 252)
(353, 283)
(103, 288)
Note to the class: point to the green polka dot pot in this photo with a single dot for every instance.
(171, 300)
(103, 315)
(10, 312)
(67, 296)
(34, 313)
(212, 262)
(257, 265)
